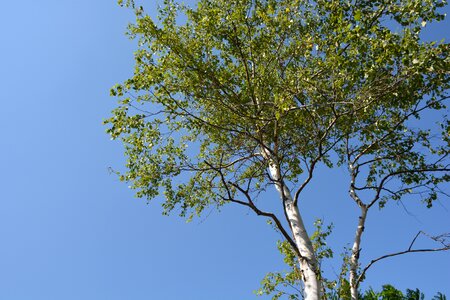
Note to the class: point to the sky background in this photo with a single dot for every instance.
(70, 230)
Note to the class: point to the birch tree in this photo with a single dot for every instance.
(232, 98)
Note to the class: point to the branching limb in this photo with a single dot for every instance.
(259, 212)
(314, 162)
(442, 239)
(249, 203)
(393, 174)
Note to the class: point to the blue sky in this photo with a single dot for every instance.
(71, 230)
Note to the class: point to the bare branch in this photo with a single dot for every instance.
(440, 239)
(270, 215)
(252, 205)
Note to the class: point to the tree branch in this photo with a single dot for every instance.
(259, 212)
(252, 205)
(387, 177)
(440, 239)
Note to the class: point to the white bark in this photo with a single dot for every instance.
(308, 262)
(354, 259)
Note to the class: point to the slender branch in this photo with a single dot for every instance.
(439, 239)
(259, 212)
(389, 176)
(252, 205)
(414, 111)
(316, 160)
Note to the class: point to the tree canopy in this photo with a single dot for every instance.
(231, 98)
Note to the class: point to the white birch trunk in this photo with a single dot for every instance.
(308, 262)
(354, 259)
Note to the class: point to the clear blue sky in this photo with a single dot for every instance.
(70, 230)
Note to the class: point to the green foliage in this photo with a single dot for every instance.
(388, 292)
(225, 90)
(439, 296)
(287, 283)
(319, 240)
(300, 78)
(280, 284)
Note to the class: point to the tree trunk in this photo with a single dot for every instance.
(307, 261)
(354, 259)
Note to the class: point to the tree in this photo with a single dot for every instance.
(391, 293)
(440, 296)
(235, 97)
